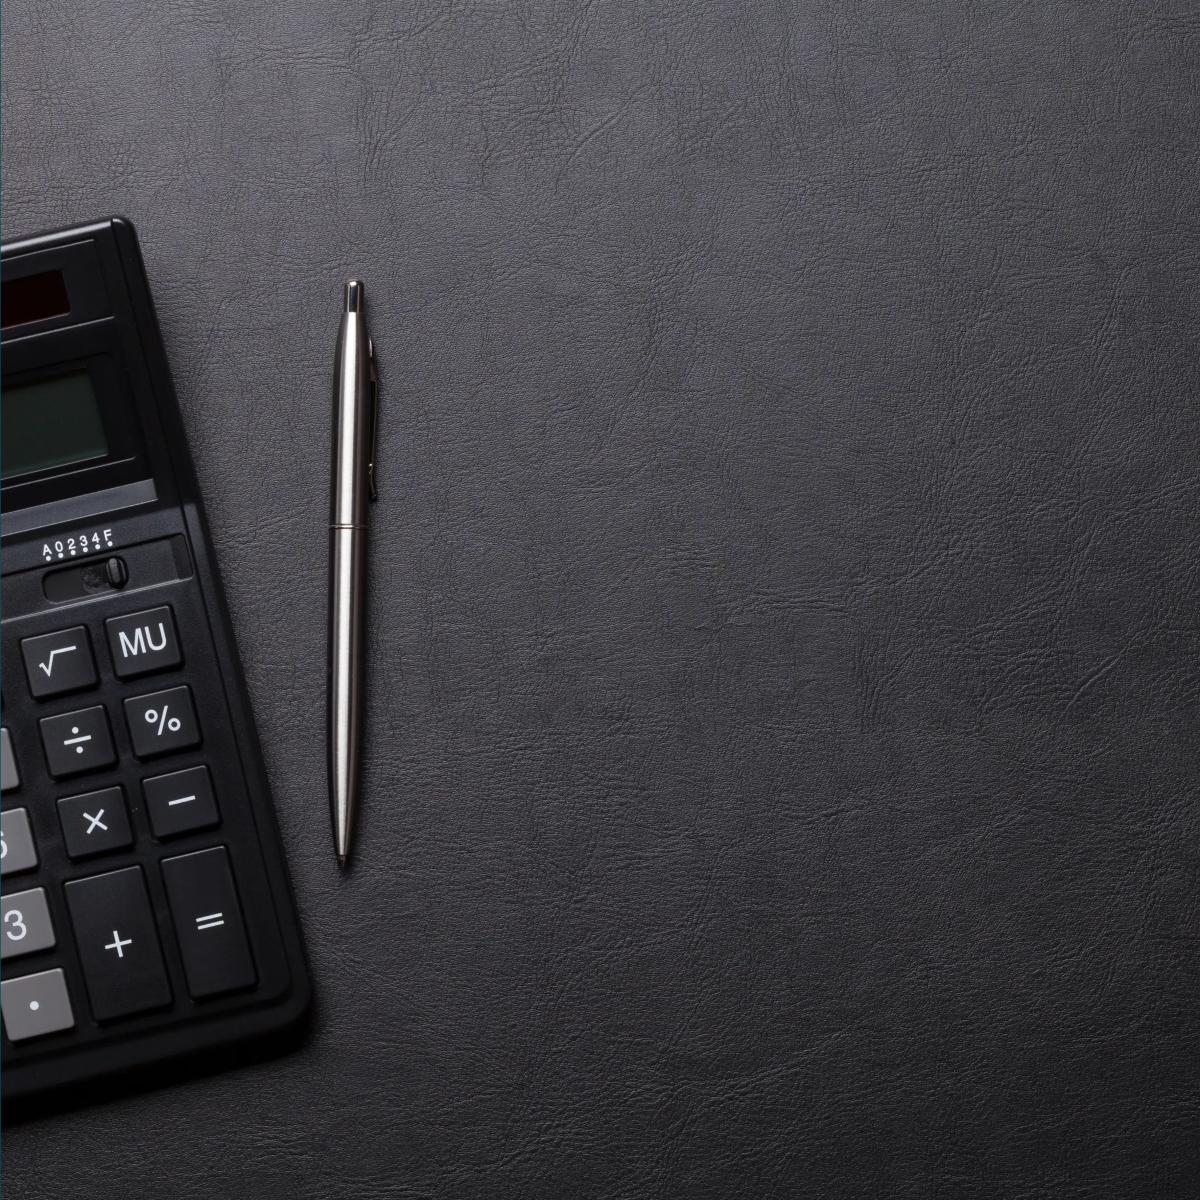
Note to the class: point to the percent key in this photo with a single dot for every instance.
(162, 722)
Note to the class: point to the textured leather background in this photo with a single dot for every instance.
(783, 770)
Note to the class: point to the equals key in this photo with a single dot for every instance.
(208, 923)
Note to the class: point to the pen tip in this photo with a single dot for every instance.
(354, 296)
(343, 861)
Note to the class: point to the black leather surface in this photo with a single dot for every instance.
(782, 772)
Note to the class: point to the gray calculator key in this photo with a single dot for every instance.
(27, 927)
(36, 1004)
(17, 851)
(10, 777)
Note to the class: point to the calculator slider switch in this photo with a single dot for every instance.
(94, 578)
(116, 572)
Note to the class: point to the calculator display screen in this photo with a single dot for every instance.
(51, 423)
(33, 298)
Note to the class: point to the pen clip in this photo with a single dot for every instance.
(374, 495)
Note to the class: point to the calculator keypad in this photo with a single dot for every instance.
(109, 918)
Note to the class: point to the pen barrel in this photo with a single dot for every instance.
(353, 418)
(353, 429)
(347, 616)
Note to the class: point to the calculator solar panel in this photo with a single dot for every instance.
(147, 917)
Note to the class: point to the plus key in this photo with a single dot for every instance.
(118, 943)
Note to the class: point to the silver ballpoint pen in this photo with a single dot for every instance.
(355, 416)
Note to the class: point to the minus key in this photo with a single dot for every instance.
(181, 802)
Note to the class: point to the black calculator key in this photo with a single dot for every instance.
(10, 777)
(118, 943)
(17, 851)
(77, 742)
(95, 823)
(59, 662)
(208, 922)
(143, 642)
(180, 802)
(35, 1005)
(26, 923)
(162, 722)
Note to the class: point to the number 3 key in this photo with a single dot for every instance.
(26, 923)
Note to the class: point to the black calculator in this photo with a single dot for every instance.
(147, 915)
